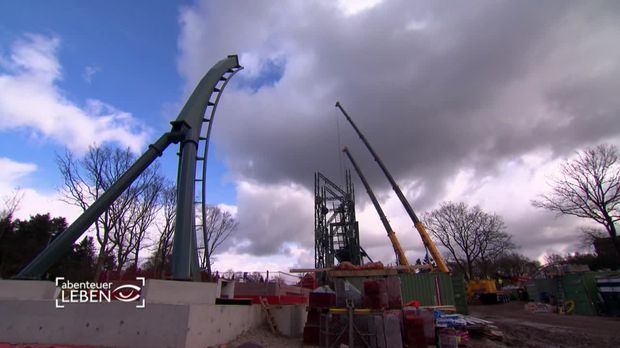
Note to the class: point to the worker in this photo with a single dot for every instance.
(500, 281)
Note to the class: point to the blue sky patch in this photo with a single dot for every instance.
(271, 71)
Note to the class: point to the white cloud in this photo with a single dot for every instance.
(89, 73)
(283, 262)
(36, 202)
(32, 100)
(353, 7)
(11, 171)
(270, 217)
(12, 175)
(457, 111)
(232, 209)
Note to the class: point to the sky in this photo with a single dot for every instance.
(472, 101)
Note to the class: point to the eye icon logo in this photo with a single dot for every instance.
(99, 292)
(126, 293)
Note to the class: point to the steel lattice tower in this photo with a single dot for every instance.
(336, 231)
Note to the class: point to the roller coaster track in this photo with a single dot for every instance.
(187, 130)
(203, 147)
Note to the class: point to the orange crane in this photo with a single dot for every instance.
(426, 239)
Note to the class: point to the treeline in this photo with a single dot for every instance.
(476, 242)
(135, 232)
(22, 240)
(597, 251)
(477, 245)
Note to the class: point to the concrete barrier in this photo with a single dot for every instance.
(124, 325)
(27, 290)
(177, 314)
(179, 292)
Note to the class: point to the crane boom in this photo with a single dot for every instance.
(441, 264)
(400, 253)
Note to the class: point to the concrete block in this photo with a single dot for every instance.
(179, 292)
(290, 319)
(27, 290)
(225, 288)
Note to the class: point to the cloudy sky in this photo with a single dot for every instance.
(474, 101)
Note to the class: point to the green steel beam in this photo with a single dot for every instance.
(184, 255)
(64, 242)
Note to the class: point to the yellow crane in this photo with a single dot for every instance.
(426, 239)
(398, 250)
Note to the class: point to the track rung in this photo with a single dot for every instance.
(223, 78)
(198, 158)
(215, 89)
(206, 120)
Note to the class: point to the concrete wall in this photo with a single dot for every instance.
(27, 290)
(179, 292)
(123, 325)
(97, 324)
(290, 319)
(195, 323)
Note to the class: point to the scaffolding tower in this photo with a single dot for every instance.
(336, 231)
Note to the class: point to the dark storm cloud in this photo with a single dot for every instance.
(435, 87)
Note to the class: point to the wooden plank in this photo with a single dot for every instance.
(308, 270)
(362, 273)
(393, 268)
(270, 319)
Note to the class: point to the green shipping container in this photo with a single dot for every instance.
(431, 289)
(580, 288)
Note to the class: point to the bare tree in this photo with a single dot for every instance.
(140, 205)
(121, 227)
(469, 234)
(10, 203)
(165, 227)
(588, 236)
(515, 265)
(588, 187)
(219, 225)
(554, 259)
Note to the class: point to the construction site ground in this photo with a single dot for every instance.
(525, 329)
(520, 329)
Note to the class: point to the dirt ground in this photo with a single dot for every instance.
(524, 329)
(262, 337)
(520, 329)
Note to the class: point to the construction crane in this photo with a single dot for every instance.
(426, 239)
(400, 253)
